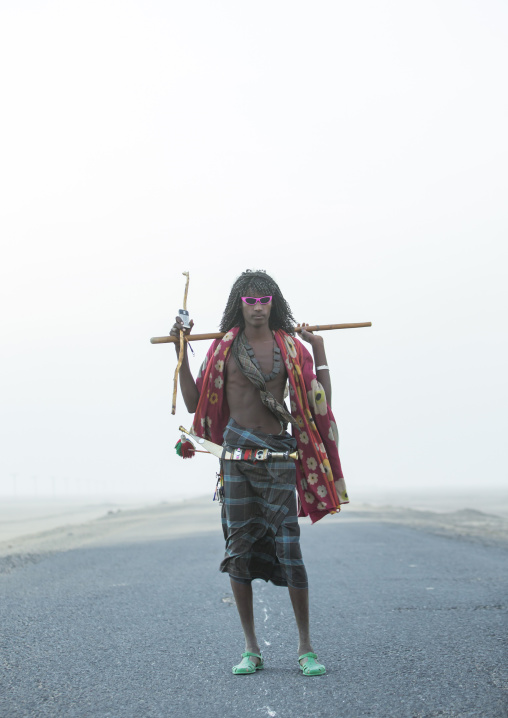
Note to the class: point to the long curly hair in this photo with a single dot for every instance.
(257, 282)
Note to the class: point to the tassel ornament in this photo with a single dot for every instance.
(184, 448)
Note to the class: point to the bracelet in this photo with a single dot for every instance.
(323, 366)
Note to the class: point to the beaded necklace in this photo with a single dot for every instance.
(276, 360)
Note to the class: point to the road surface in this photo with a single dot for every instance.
(135, 620)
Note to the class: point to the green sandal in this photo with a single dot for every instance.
(311, 667)
(248, 666)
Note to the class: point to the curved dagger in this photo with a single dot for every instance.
(238, 454)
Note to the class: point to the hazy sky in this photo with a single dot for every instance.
(357, 151)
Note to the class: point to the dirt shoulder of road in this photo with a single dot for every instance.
(155, 522)
(468, 524)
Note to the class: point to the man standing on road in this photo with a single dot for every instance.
(238, 400)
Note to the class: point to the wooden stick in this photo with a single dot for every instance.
(180, 353)
(219, 335)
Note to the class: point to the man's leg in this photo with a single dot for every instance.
(244, 603)
(300, 600)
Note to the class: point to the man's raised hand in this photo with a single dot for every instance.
(175, 331)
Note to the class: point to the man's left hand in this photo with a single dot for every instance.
(309, 337)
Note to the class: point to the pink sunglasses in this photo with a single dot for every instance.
(254, 300)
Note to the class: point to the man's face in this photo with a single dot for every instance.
(256, 315)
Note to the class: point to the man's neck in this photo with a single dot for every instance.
(258, 334)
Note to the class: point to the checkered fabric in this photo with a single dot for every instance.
(259, 514)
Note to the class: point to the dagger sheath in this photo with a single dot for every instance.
(258, 455)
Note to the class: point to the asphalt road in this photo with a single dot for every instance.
(408, 623)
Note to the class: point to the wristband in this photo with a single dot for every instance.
(323, 366)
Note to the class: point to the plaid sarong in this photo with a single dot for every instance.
(259, 514)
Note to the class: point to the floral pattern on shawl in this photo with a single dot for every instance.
(319, 478)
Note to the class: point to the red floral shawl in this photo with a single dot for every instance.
(319, 478)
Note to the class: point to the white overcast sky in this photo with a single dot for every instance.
(357, 151)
